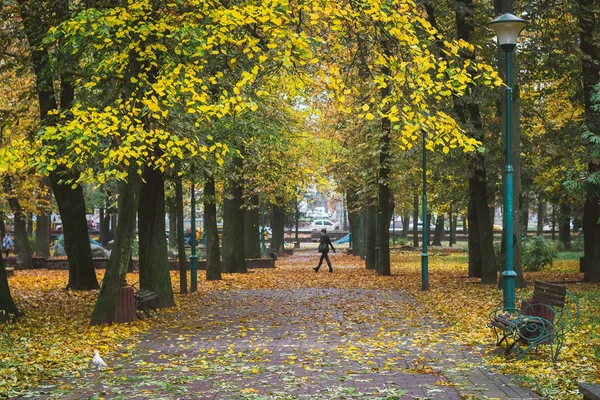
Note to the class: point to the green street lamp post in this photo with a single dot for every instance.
(193, 257)
(424, 255)
(507, 28)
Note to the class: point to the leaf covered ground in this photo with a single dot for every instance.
(54, 340)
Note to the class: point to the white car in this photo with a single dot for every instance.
(319, 224)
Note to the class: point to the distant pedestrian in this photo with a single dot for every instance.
(324, 244)
(7, 244)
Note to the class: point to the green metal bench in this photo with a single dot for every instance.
(544, 318)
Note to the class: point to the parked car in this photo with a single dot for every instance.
(319, 224)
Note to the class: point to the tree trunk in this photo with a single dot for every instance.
(438, 235)
(591, 233)
(234, 259)
(176, 230)
(42, 227)
(354, 220)
(104, 226)
(29, 225)
(297, 224)
(553, 221)
(525, 218)
(405, 223)
(541, 211)
(8, 308)
(116, 271)
(481, 229)
(371, 235)
(173, 228)
(22, 246)
(252, 228)
(383, 212)
(428, 222)
(564, 227)
(42, 235)
(453, 223)
(213, 257)
(2, 225)
(416, 222)
(278, 227)
(154, 263)
(71, 205)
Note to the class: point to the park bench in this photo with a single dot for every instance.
(590, 391)
(143, 301)
(544, 318)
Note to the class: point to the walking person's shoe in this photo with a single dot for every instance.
(316, 269)
(330, 269)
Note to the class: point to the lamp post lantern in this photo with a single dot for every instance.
(507, 28)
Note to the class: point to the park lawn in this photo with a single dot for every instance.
(54, 339)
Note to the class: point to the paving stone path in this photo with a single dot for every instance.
(312, 343)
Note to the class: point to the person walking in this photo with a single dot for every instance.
(324, 244)
(7, 244)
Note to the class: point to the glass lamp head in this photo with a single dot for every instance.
(507, 28)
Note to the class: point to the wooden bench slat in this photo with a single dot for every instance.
(590, 391)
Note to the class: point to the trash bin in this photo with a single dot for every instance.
(125, 306)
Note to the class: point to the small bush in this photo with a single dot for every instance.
(537, 253)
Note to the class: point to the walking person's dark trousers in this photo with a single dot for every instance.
(326, 257)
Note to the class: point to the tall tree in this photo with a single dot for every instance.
(588, 23)
(70, 200)
(116, 270)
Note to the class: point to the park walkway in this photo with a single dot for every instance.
(295, 343)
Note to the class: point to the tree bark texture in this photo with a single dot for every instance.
(370, 237)
(154, 263)
(116, 270)
(405, 218)
(177, 232)
(475, 265)
(213, 257)
(42, 235)
(234, 259)
(22, 246)
(354, 220)
(564, 227)
(438, 235)
(481, 229)
(541, 212)
(173, 228)
(278, 227)
(252, 228)
(416, 222)
(453, 223)
(8, 308)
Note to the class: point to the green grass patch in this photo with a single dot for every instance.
(569, 256)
